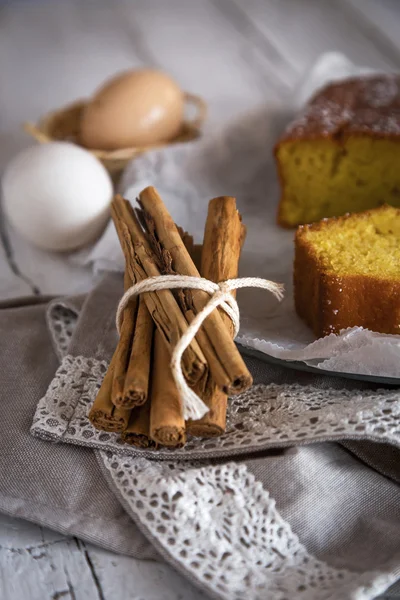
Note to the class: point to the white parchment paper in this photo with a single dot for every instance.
(238, 161)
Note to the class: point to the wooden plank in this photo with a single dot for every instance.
(38, 564)
(128, 579)
(380, 22)
(52, 53)
(301, 31)
(205, 51)
(16, 533)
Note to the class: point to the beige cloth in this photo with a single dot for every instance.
(60, 487)
(344, 512)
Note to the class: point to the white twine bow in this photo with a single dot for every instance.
(220, 295)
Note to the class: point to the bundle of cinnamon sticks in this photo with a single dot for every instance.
(138, 397)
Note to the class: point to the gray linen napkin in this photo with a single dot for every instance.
(318, 524)
(56, 486)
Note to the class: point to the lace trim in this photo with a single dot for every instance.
(222, 527)
(61, 321)
(266, 416)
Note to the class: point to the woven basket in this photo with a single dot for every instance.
(64, 125)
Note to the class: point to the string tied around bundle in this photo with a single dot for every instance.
(220, 296)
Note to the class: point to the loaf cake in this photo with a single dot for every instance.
(347, 272)
(342, 154)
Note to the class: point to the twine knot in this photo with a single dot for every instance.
(220, 295)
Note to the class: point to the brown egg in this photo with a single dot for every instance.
(135, 108)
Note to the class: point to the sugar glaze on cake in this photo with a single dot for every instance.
(368, 104)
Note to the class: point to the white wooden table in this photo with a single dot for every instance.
(237, 54)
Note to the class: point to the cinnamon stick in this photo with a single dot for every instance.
(136, 381)
(162, 305)
(104, 415)
(187, 239)
(224, 236)
(167, 425)
(228, 369)
(196, 255)
(138, 431)
(185, 301)
(193, 249)
(124, 347)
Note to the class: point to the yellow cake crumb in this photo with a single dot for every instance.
(347, 272)
(325, 179)
(367, 244)
(342, 152)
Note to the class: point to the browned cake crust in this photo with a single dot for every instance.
(367, 105)
(328, 303)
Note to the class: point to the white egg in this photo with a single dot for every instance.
(57, 195)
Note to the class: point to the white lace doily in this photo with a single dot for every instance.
(222, 527)
(61, 321)
(266, 416)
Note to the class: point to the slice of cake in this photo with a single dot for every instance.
(343, 153)
(347, 272)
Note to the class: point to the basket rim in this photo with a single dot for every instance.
(190, 126)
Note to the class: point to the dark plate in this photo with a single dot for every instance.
(301, 366)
